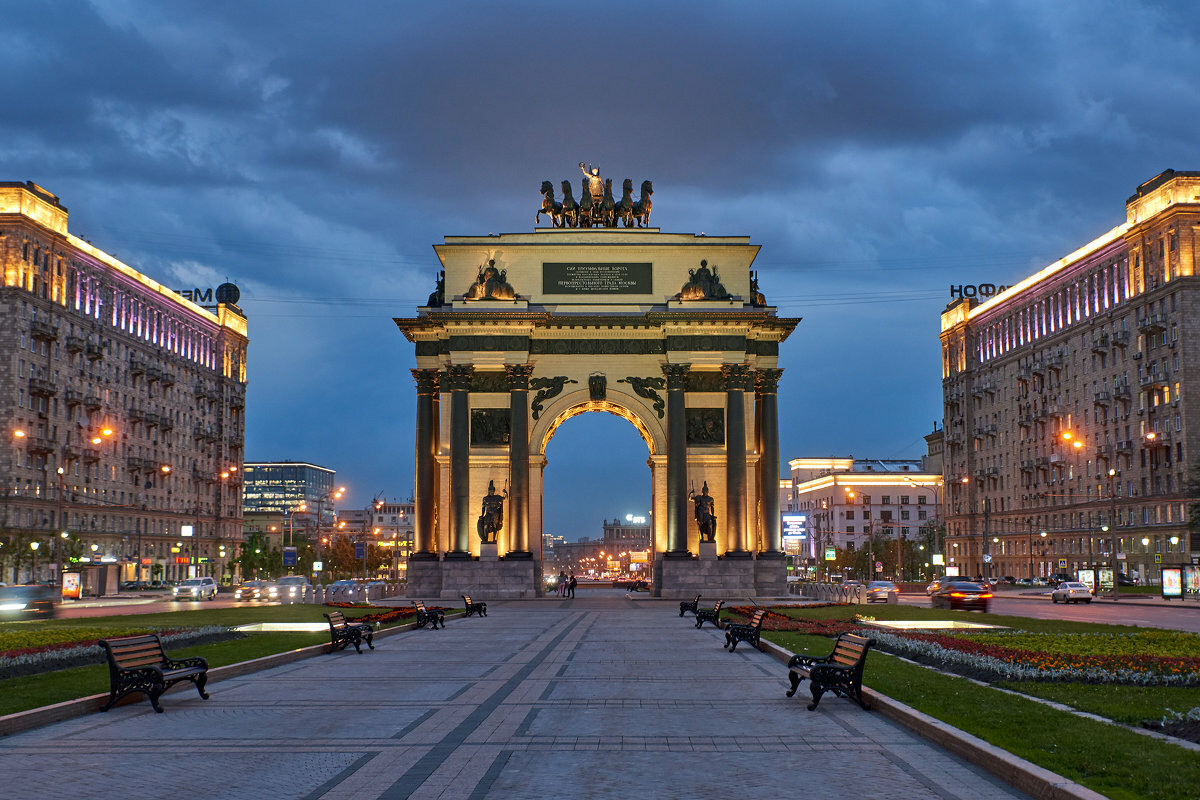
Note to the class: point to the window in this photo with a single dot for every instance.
(850, 514)
(849, 529)
(886, 500)
(921, 500)
(921, 514)
(866, 498)
(904, 513)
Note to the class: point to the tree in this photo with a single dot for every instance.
(342, 560)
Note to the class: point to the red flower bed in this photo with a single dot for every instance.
(815, 627)
(391, 615)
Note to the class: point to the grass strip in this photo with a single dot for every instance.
(1130, 705)
(35, 691)
(1118, 763)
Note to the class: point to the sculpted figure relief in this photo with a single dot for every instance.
(703, 284)
(706, 514)
(490, 284)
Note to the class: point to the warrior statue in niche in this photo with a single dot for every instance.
(491, 520)
(705, 512)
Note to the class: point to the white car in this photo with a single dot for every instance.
(195, 589)
(1071, 592)
(292, 587)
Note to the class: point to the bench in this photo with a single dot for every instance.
(713, 616)
(839, 672)
(474, 608)
(139, 664)
(745, 631)
(688, 605)
(432, 616)
(342, 633)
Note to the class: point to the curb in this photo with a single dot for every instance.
(1022, 775)
(69, 709)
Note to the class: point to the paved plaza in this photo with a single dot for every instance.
(598, 697)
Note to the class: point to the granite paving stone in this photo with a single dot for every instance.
(598, 697)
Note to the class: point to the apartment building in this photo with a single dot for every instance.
(123, 406)
(1071, 402)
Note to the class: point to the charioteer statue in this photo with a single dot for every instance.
(596, 206)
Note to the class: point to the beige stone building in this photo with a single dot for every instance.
(1071, 402)
(123, 407)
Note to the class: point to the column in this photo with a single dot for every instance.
(424, 535)
(736, 539)
(518, 460)
(458, 380)
(676, 462)
(766, 386)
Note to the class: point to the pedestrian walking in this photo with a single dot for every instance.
(571, 584)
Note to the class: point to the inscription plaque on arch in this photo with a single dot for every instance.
(597, 278)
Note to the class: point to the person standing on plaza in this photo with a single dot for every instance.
(571, 584)
(562, 584)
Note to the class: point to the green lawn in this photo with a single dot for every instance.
(1115, 762)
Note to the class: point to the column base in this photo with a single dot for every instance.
(517, 555)
(425, 556)
(738, 554)
(457, 555)
(677, 555)
(772, 555)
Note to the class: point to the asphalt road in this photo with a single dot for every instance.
(1148, 613)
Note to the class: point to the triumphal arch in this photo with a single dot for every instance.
(525, 331)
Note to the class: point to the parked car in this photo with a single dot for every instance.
(292, 588)
(962, 596)
(256, 590)
(1125, 580)
(28, 602)
(882, 592)
(1072, 592)
(195, 589)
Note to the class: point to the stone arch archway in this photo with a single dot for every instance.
(587, 331)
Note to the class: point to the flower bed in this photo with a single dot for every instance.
(390, 616)
(81, 648)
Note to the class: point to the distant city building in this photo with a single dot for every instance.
(282, 487)
(848, 500)
(1072, 402)
(123, 406)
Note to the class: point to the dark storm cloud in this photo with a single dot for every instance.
(313, 151)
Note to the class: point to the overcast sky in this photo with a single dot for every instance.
(313, 152)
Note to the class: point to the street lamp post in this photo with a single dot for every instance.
(1112, 525)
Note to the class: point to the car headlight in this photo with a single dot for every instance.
(12, 606)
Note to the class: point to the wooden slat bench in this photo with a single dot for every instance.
(431, 616)
(839, 672)
(343, 632)
(688, 605)
(745, 631)
(712, 615)
(139, 664)
(474, 607)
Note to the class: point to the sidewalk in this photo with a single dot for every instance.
(597, 697)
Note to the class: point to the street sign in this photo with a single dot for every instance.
(830, 554)
(1158, 558)
(938, 558)
(289, 557)
(879, 566)
(987, 558)
(1062, 563)
(360, 550)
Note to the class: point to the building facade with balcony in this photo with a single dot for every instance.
(1068, 398)
(123, 405)
(848, 501)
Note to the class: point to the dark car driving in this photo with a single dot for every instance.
(27, 602)
(962, 595)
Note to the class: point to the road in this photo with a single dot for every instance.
(1151, 612)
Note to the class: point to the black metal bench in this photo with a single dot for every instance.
(139, 664)
(342, 633)
(839, 672)
(429, 616)
(745, 631)
(473, 608)
(688, 605)
(712, 615)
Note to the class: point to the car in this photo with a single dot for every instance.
(962, 596)
(256, 590)
(1125, 580)
(1072, 592)
(882, 592)
(195, 589)
(32, 601)
(292, 588)
(938, 581)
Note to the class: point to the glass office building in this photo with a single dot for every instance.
(280, 487)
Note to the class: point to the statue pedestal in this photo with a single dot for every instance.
(488, 552)
(708, 551)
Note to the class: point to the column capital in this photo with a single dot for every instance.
(766, 381)
(458, 377)
(427, 380)
(736, 376)
(676, 374)
(518, 376)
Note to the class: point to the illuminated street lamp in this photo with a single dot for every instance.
(33, 570)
